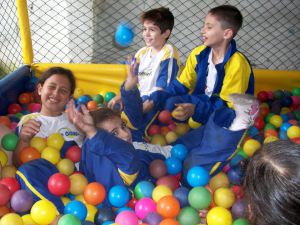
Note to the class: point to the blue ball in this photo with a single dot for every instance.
(84, 99)
(198, 176)
(235, 175)
(283, 135)
(76, 208)
(285, 126)
(179, 151)
(118, 196)
(252, 131)
(124, 35)
(236, 160)
(174, 165)
(182, 194)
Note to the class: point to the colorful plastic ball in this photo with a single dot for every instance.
(241, 221)
(24, 98)
(69, 219)
(168, 207)
(28, 154)
(276, 120)
(59, 184)
(143, 189)
(127, 218)
(152, 218)
(283, 135)
(157, 168)
(4, 210)
(9, 141)
(74, 153)
(236, 160)
(118, 196)
(132, 202)
(169, 221)
(285, 126)
(65, 166)
(188, 216)
(3, 158)
(78, 183)
(76, 208)
(21, 201)
(11, 183)
(51, 154)
(103, 215)
(251, 146)
(154, 129)
(55, 140)
(43, 212)
(238, 209)
(179, 151)
(262, 96)
(181, 194)
(8, 171)
(144, 206)
(84, 99)
(171, 137)
(197, 176)
(4, 195)
(296, 91)
(94, 193)
(160, 191)
(169, 181)
(124, 35)
(108, 96)
(219, 180)
(182, 128)
(165, 117)
(174, 165)
(158, 139)
(236, 174)
(252, 131)
(38, 143)
(219, 216)
(293, 132)
(98, 98)
(92, 105)
(14, 108)
(11, 219)
(199, 198)
(123, 209)
(224, 197)
(27, 220)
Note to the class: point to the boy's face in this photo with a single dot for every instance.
(55, 93)
(152, 35)
(118, 128)
(213, 35)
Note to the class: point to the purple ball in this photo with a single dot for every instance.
(153, 218)
(21, 201)
(239, 209)
(181, 194)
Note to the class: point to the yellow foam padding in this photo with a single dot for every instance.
(96, 78)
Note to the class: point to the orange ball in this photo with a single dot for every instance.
(92, 105)
(94, 193)
(28, 154)
(4, 120)
(168, 207)
(169, 221)
(24, 98)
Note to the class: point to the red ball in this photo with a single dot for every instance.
(132, 203)
(157, 168)
(59, 184)
(165, 117)
(4, 195)
(153, 129)
(14, 108)
(74, 153)
(169, 181)
(11, 183)
(25, 98)
(262, 96)
(259, 123)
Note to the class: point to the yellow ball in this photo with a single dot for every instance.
(171, 137)
(80, 198)
(293, 132)
(158, 139)
(161, 191)
(251, 146)
(285, 110)
(65, 200)
(91, 211)
(276, 120)
(193, 124)
(39, 143)
(27, 220)
(219, 216)
(3, 158)
(55, 140)
(218, 181)
(51, 154)
(224, 197)
(78, 183)
(270, 139)
(43, 212)
(182, 128)
(8, 171)
(65, 166)
(11, 219)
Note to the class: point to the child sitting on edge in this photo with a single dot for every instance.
(212, 72)
(157, 62)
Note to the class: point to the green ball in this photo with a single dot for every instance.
(297, 114)
(241, 221)
(9, 141)
(108, 96)
(296, 91)
(243, 154)
(199, 198)
(188, 216)
(278, 94)
(69, 219)
(98, 98)
(269, 126)
(268, 117)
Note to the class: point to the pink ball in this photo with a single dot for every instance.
(36, 107)
(226, 168)
(296, 100)
(144, 206)
(127, 218)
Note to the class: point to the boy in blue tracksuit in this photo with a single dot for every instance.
(212, 72)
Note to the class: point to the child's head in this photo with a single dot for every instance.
(56, 86)
(272, 184)
(158, 22)
(225, 21)
(110, 120)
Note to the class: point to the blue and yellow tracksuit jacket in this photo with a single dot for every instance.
(234, 75)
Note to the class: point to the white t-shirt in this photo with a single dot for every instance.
(211, 77)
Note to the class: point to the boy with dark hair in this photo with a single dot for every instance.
(212, 72)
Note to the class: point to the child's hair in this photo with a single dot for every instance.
(229, 16)
(103, 114)
(161, 17)
(272, 184)
(59, 71)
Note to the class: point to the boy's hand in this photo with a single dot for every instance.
(114, 101)
(147, 106)
(132, 79)
(81, 119)
(29, 130)
(183, 111)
